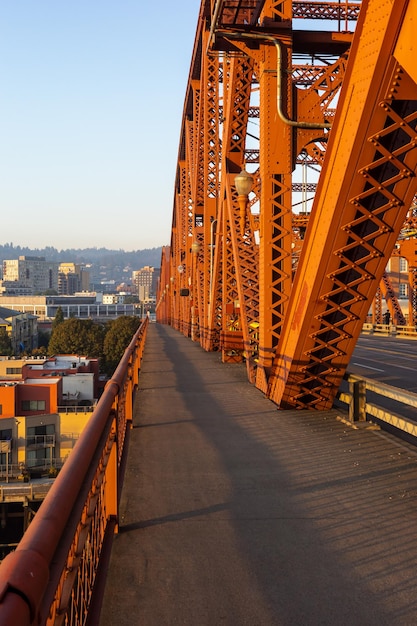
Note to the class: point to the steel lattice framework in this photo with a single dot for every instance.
(287, 291)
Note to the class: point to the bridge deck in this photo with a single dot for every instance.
(236, 513)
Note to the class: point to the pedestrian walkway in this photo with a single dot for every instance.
(234, 513)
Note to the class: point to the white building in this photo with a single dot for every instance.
(30, 273)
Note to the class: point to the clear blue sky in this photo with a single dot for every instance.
(91, 100)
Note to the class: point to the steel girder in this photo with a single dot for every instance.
(164, 302)
(388, 293)
(239, 254)
(231, 276)
(365, 189)
(231, 268)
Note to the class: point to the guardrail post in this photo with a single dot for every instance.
(357, 408)
(112, 484)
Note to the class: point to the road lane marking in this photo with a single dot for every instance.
(386, 351)
(367, 367)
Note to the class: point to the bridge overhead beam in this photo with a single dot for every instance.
(366, 187)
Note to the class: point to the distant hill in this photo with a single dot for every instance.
(105, 264)
(97, 256)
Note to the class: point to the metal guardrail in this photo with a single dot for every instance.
(52, 575)
(33, 468)
(390, 330)
(76, 409)
(30, 491)
(361, 410)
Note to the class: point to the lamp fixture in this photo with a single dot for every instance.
(243, 185)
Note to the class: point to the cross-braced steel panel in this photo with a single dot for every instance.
(274, 99)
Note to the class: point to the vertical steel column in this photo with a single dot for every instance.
(276, 165)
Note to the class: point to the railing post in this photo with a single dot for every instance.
(357, 407)
(112, 484)
(128, 390)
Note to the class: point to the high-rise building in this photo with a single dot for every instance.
(31, 273)
(145, 281)
(72, 278)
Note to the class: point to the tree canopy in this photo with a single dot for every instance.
(58, 319)
(5, 343)
(76, 336)
(118, 336)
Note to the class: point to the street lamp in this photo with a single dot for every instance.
(243, 184)
(195, 247)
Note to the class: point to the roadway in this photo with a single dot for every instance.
(392, 361)
(386, 359)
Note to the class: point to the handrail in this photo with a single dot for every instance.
(390, 330)
(61, 550)
(359, 408)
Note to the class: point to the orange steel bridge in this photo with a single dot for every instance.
(295, 177)
(283, 98)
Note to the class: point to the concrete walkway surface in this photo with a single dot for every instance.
(235, 513)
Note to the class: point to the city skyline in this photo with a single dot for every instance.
(92, 98)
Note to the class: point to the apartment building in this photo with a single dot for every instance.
(22, 329)
(145, 281)
(34, 444)
(11, 367)
(80, 376)
(43, 410)
(113, 298)
(29, 273)
(72, 278)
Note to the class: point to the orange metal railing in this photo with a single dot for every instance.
(55, 575)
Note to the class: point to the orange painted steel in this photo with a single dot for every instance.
(288, 293)
(393, 306)
(51, 576)
(366, 187)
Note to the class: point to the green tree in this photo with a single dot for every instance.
(131, 299)
(58, 319)
(75, 336)
(41, 351)
(5, 343)
(118, 336)
(43, 340)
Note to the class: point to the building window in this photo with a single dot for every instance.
(5, 445)
(403, 264)
(403, 290)
(1, 409)
(42, 429)
(13, 370)
(41, 441)
(33, 405)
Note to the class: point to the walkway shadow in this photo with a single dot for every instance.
(318, 521)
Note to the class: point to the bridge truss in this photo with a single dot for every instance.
(316, 108)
